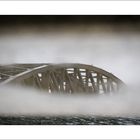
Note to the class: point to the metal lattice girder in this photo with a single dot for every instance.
(61, 78)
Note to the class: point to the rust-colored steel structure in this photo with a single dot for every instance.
(61, 78)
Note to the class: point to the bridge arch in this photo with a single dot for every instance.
(67, 78)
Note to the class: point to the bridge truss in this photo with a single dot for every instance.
(61, 78)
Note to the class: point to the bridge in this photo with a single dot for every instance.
(67, 78)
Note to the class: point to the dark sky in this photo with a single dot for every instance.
(67, 19)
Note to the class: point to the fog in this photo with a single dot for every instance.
(115, 51)
(17, 101)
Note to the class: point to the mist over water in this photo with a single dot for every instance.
(31, 102)
(115, 51)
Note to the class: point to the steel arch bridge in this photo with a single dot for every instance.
(61, 78)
